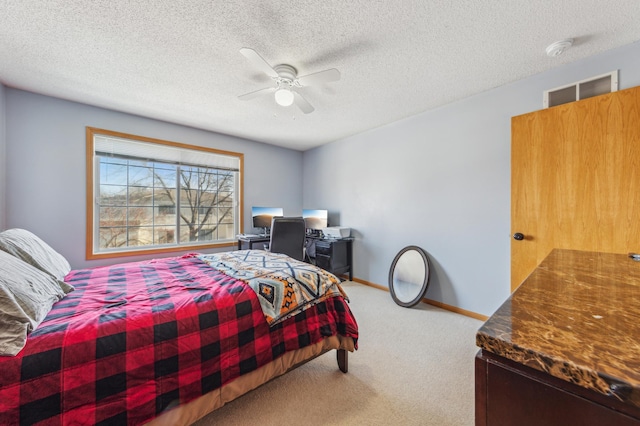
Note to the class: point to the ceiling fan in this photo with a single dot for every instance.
(286, 81)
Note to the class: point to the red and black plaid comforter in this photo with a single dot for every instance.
(134, 337)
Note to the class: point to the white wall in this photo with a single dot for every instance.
(3, 165)
(45, 159)
(441, 180)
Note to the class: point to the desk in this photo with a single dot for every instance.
(332, 254)
(253, 239)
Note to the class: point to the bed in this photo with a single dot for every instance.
(169, 340)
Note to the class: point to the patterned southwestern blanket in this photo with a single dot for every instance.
(134, 337)
(284, 286)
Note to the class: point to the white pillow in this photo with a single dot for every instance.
(26, 297)
(28, 247)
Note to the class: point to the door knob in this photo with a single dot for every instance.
(518, 236)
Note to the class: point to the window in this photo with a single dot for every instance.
(146, 195)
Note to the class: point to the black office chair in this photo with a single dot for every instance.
(287, 236)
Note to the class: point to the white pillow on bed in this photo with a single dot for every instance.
(30, 248)
(26, 297)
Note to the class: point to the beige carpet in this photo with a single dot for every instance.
(413, 367)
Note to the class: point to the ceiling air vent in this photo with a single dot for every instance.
(584, 89)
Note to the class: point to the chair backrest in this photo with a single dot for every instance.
(287, 236)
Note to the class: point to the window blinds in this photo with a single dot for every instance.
(111, 146)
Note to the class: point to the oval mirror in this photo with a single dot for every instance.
(409, 276)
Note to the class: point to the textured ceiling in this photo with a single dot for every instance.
(179, 60)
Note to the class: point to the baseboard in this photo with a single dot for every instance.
(430, 302)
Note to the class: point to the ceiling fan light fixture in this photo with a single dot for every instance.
(284, 97)
(286, 78)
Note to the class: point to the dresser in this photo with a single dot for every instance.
(564, 348)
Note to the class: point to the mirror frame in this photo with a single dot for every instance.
(425, 284)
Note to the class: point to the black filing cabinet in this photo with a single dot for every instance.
(334, 256)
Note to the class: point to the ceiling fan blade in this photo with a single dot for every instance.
(302, 103)
(256, 93)
(320, 77)
(258, 61)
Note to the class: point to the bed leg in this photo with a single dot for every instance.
(343, 360)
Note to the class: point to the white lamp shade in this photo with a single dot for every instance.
(284, 97)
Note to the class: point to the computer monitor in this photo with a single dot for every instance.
(315, 219)
(262, 216)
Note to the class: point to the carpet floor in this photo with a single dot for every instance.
(413, 367)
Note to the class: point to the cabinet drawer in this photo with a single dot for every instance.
(323, 261)
(323, 247)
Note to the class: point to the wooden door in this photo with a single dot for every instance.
(575, 179)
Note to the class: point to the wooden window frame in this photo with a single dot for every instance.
(177, 247)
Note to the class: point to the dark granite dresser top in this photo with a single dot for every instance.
(576, 317)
